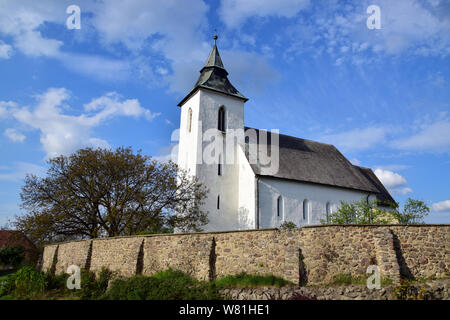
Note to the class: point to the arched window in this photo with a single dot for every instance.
(189, 120)
(221, 122)
(305, 209)
(279, 206)
(328, 211)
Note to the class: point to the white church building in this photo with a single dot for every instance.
(258, 179)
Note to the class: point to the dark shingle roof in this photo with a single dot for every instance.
(315, 162)
(213, 76)
(383, 195)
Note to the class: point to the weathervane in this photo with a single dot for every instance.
(215, 36)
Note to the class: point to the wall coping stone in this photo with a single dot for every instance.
(254, 230)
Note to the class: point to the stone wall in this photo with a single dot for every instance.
(432, 290)
(308, 255)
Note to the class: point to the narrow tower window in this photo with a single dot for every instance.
(221, 123)
(328, 211)
(279, 206)
(189, 119)
(218, 202)
(219, 166)
(305, 209)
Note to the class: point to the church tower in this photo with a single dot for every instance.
(211, 140)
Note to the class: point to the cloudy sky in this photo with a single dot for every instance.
(312, 69)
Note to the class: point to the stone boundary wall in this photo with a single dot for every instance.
(432, 290)
(308, 255)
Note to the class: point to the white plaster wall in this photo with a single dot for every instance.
(247, 193)
(188, 147)
(293, 193)
(205, 106)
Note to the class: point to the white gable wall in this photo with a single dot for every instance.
(293, 194)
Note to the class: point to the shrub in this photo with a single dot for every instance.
(55, 282)
(288, 225)
(406, 291)
(12, 255)
(6, 285)
(28, 283)
(166, 285)
(93, 286)
(245, 280)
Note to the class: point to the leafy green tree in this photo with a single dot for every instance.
(414, 212)
(369, 212)
(364, 211)
(12, 255)
(101, 192)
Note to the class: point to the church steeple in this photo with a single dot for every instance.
(213, 76)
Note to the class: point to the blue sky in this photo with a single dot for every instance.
(311, 69)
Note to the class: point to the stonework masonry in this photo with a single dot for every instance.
(307, 255)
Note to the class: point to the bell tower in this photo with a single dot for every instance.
(211, 131)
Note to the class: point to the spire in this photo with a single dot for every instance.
(214, 59)
(213, 76)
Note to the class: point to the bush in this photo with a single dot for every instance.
(166, 285)
(92, 286)
(55, 282)
(245, 280)
(288, 225)
(406, 291)
(12, 255)
(6, 285)
(27, 283)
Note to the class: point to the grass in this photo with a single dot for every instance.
(247, 280)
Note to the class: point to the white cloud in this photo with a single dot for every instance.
(355, 162)
(63, 133)
(14, 136)
(441, 206)
(434, 137)
(235, 12)
(390, 179)
(407, 26)
(6, 50)
(402, 191)
(6, 107)
(393, 181)
(172, 30)
(33, 44)
(20, 169)
(357, 139)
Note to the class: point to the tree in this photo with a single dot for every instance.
(414, 212)
(364, 211)
(369, 212)
(100, 192)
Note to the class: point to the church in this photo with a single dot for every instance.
(256, 178)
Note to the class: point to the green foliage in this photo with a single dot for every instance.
(362, 212)
(56, 282)
(288, 225)
(6, 285)
(166, 285)
(414, 212)
(92, 286)
(246, 280)
(406, 291)
(367, 212)
(347, 279)
(27, 283)
(12, 255)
